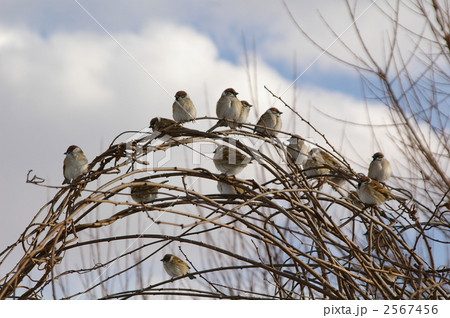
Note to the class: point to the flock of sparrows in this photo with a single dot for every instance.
(317, 162)
(233, 112)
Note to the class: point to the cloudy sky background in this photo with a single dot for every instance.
(68, 79)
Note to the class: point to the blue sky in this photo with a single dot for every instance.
(206, 17)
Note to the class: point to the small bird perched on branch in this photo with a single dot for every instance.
(145, 193)
(183, 108)
(175, 267)
(228, 107)
(297, 151)
(315, 164)
(379, 168)
(161, 124)
(75, 164)
(372, 192)
(271, 119)
(245, 110)
(227, 188)
(354, 199)
(229, 160)
(321, 163)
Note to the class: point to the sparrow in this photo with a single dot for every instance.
(297, 151)
(183, 108)
(144, 193)
(372, 192)
(160, 123)
(75, 164)
(314, 165)
(174, 266)
(245, 110)
(354, 199)
(229, 108)
(379, 168)
(269, 120)
(321, 163)
(229, 160)
(227, 188)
